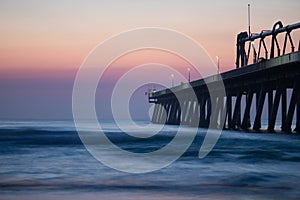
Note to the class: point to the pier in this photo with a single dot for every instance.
(268, 79)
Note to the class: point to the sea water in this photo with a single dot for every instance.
(47, 160)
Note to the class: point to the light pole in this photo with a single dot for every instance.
(172, 77)
(189, 70)
(218, 64)
(249, 31)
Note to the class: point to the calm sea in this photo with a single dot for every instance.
(47, 160)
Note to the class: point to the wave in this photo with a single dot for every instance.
(45, 157)
(249, 148)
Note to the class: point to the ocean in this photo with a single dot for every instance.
(47, 160)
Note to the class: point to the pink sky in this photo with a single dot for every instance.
(43, 43)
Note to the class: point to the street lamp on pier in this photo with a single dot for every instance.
(218, 64)
(172, 77)
(189, 70)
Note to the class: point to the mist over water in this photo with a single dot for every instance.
(46, 159)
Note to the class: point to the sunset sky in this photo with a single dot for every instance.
(43, 43)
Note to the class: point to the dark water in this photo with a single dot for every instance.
(46, 160)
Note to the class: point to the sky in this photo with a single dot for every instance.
(43, 44)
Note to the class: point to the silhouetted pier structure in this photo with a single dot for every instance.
(267, 80)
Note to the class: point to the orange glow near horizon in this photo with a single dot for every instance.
(142, 57)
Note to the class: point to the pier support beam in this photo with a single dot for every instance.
(223, 114)
(202, 111)
(159, 110)
(257, 102)
(261, 99)
(297, 129)
(154, 115)
(171, 112)
(275, 106)
(208, 115)
(270, 104)
(190, 112)
(246, 118)
(236, 120)
(183, 111)
(196, 114)
(283, 107)
(229, 110)
(168, 108)
(163, 117)
(291, 110)
(177, 113)
(217, 111)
